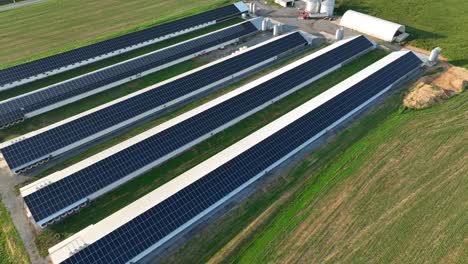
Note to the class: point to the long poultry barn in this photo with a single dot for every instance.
(42, 68)
(53, 197)
(28, 105)
(39, 146)
(136, 230)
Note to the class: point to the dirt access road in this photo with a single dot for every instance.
(14, 204)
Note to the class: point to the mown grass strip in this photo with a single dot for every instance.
(11, 246)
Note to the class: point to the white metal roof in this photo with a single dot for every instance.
(241, 6)
(370, 25)
(93, 233)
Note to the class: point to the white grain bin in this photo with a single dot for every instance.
(269, 24)
(265, 23)
(254, 9)
(339, 34)
(435, 54)
(312, 6)
(277, 28)
(327, 7)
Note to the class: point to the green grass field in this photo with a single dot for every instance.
(431, 23)
(12, 250)
(389, 189)
(132, 190)
(58, 25)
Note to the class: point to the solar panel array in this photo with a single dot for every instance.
(41, 145)
(79, 185)
(15, 109)
(30, 69)
(143, 231)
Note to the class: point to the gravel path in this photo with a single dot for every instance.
(14, 204)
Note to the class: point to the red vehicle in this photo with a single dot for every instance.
(303, 14)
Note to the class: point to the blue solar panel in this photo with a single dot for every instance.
(132, 238)
(91, 179)
(30, 69)
(40, 146)
(15, 108)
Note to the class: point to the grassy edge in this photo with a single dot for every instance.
(10, 240)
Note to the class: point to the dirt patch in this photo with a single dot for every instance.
(453, 80)
(424, 95)
(437, 87)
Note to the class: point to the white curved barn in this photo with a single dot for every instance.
(373, 26)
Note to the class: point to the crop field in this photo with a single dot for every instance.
(11, 247)
(431, 23)
(61, 25)
(390, 189)
(132, 190)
